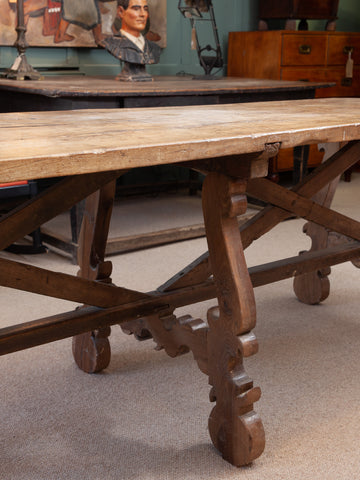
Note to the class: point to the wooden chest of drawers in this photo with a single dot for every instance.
(298, 55)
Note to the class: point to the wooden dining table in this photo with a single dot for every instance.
(231, 145)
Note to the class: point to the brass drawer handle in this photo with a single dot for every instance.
(304, 49)
(348, 49)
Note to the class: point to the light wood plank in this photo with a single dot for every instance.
(44, 144)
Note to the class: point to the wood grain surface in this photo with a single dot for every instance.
(47, 144)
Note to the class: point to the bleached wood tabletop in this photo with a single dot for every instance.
(44, 144)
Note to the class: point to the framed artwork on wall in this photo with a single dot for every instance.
(73, 23)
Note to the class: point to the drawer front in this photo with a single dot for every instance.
(304, 49)
(339, 46)
(343, 87)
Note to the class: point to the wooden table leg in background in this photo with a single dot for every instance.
(91, 350)
(314, 287)
(310, 199)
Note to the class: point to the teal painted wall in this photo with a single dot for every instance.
(231, 15)
(176, 57)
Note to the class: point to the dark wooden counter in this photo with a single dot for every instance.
(74, 92)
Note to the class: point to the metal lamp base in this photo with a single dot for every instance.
(21, 70)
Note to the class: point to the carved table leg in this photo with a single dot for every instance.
(91, 350)
(314, 287)
(235, 429)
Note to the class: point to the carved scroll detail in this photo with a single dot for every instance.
(338, 239)
(314, 287)
(235, 429)
(175, 335)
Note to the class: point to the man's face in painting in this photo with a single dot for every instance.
(134, 18)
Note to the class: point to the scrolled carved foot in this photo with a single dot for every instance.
(236, 430)
(239, 439)
(312, 288)
(92, 351)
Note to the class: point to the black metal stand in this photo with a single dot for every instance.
(194, 10)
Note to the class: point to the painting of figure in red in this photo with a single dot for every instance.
(73, 23)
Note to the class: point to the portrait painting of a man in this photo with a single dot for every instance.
(74, 23)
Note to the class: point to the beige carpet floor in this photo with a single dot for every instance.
(145, 417)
